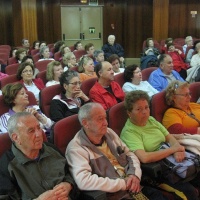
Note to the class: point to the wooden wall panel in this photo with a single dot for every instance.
(138, 23)
(181, 22)
(29, 20)
(134, 20)
(6, 23)
(160, 19)
(49, 20)
(17, 22)
(113, 20)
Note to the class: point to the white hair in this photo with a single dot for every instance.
(188, 38)
(111, 36)
(85, 110)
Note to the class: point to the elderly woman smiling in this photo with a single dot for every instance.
(25, 74)
(16, 98)
(183, 116)
(144, 135)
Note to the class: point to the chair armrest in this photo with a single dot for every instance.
(93, 195)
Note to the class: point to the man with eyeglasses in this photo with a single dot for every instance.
(164, 75)
(106, 91)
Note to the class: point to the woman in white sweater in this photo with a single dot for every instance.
(133, 81)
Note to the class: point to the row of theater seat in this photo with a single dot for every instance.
(48, 93)
(42, 74)
(65, 129)
(41, 66)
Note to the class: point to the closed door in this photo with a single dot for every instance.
(82, 24)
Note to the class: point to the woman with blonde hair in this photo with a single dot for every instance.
(86, 68)
(54, 71)
(183, 116)
(69, 60)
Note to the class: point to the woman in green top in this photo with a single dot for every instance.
(144, 135)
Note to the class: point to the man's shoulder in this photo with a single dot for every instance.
(5, 115)
(77, 140)
(5, 159)
(51, 147)
(96, 87)
(156, 73)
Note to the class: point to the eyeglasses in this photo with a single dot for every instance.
(27, 71)
(176, 86)
(184, 95)
(76, 83)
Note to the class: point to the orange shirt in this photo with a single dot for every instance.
(176, 116)
(84, 76)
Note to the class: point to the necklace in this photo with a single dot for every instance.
(190, 114)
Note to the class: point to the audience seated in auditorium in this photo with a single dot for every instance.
(86, 68)
(178, 58)
(42, 44)
(70, 100)
(89, 48)
(144, 135)
(192, 72)
(115, 62)
(65, 49)
(191, 52)
(113, 48)
(188, 42)
(69, 61)
(98, 56)
(195, 61)
(106, 91)
(20, 53)
(78, 46)
(150, 55)
(165, 74)
(25, 75)
(183, 116)
(164, 48)
(53, 73)
(45, 54)
(25, 44)
(36, 44)
(33, 169)
(16, 98)
(102, 157)
(13, 52)
(29, 59)
(133, 81)
(58, 45)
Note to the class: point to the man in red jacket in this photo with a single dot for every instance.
(106, 91)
